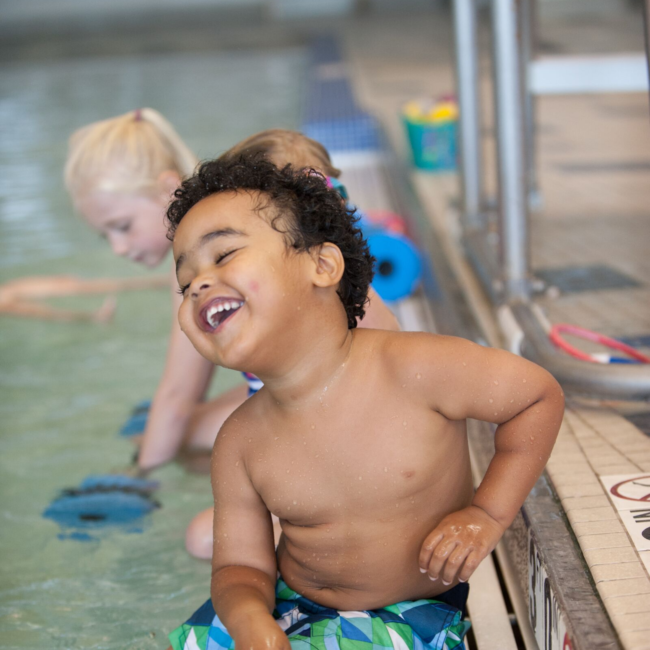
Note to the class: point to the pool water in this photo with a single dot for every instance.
(66, 389)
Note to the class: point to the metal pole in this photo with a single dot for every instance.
(513, 186)
(469, 119)
(528, 24)
(646, 15)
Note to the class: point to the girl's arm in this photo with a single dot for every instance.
(378, 315)
(183, 385)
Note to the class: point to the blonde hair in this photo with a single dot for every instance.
(284, 147)
(125, 154)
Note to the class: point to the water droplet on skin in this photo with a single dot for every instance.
(464, 363)
(276, 438)
(288, 471)
(298, 308)
(496, 383)
(532, 438)
(295, 503)
(360, 477)
(418, 376)
(490, 400)
(511, 401)
(404, 423)
(237, 464)
(403, 385)
(385, 469)
(524, 381)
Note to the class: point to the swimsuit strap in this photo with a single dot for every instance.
(254, 383)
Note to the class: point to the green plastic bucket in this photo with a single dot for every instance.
(433, 144)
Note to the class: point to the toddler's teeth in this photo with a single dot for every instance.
(220, 308)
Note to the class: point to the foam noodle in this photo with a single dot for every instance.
(398, 266)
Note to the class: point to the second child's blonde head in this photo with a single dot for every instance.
(125, 155)
(284, 147)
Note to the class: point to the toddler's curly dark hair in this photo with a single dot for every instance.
(307, 212)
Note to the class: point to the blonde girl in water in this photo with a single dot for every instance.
(121, 174)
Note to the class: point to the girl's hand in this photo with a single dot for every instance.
(458, 544)
(259, 633)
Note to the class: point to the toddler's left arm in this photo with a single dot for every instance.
(466, 380)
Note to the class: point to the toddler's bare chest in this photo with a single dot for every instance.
(333, 463)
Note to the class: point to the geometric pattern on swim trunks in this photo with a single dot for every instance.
(409, 625)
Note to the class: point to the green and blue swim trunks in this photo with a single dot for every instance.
(410, 625)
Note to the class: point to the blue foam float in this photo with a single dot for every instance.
(101, 502)
(118, 482)
(137, 421)
(398, 266)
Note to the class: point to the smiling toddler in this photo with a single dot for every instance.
(357, 441)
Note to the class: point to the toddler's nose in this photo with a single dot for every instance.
(200, 285)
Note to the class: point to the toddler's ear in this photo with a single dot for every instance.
(168, 182)
(328, 265)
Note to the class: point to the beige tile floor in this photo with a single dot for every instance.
(594, 175)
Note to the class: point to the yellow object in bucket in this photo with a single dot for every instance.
(432, 133)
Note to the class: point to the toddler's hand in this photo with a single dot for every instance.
(458, 544)
(261, 633)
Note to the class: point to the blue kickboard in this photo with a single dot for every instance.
(137, 421)
(102, 502)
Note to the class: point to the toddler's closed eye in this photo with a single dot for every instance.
(222, 257)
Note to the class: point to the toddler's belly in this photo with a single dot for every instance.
(365, 566)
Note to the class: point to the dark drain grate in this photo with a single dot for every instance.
(574, 279)
(640, 421)
(638, 341)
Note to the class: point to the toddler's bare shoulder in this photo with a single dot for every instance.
(407, 348)
(239, 426)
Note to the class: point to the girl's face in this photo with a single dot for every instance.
(133, 224)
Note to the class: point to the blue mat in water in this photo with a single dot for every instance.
(101, 502)
(137, 421)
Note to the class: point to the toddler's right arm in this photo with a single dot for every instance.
(243, 561)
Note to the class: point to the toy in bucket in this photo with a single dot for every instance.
(431, 126)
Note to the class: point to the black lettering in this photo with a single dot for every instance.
(643, 516)
(548, 616)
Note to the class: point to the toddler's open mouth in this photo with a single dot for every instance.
(217, 311)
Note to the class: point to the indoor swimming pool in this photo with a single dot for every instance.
(68, 388)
